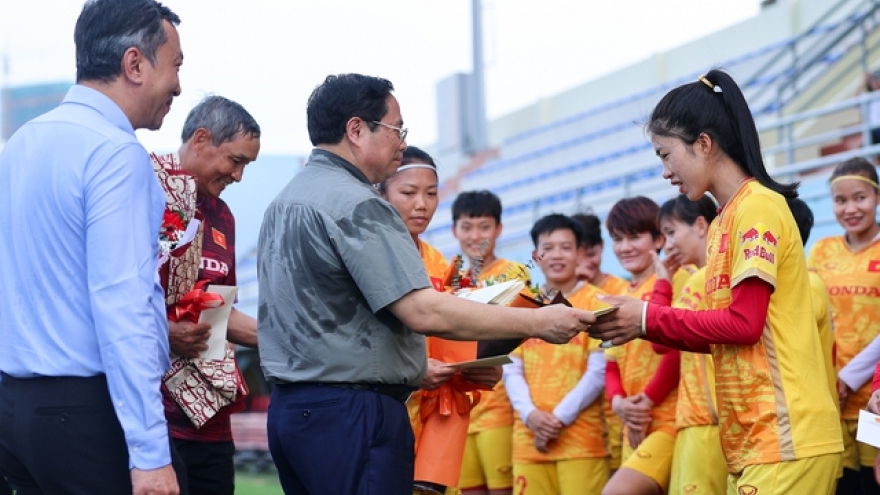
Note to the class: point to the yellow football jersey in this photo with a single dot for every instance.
(552, 371)
(614, 285)
(770, 409)
(822, 313)
(853, 282)
(696, 388)
(638, 363)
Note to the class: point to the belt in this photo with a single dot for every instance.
(400, 393)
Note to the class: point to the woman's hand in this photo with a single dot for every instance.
(843, 392)
(635, 411)
(621, 326)
(483, 376)
(665, 269)
(544, 425)
(874, 402)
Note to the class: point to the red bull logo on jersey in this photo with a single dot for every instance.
(750, 235)
(759, 242)
(759, 252)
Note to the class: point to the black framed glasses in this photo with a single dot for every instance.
(401, 131)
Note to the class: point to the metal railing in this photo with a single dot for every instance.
(789, 172)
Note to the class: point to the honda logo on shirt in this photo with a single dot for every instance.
(212, 265)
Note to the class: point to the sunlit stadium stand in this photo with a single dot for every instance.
(801, 91)
(799, 64)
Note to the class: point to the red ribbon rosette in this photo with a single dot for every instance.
(193, 303)
(457, 395)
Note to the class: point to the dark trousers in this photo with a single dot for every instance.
(332, 441)
(861, 482)
(207, 467)
(60, 436)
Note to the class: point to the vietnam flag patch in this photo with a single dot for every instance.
(874, 266)
(219, 238)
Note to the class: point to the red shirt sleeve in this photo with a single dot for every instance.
(613, 383)
(875, 384)
(666, 378)
(741, 323)
(662, 293)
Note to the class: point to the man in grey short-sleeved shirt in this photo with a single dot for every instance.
(345, 303)
(341, 260)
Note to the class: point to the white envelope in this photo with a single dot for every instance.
(218, 318)
(869, 428)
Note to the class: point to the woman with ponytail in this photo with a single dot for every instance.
(779, 431)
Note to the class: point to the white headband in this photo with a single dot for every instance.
(415, 165)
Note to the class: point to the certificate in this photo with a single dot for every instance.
(486, 362)
(869, 428)
(218, 318)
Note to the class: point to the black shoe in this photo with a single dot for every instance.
(429, 487)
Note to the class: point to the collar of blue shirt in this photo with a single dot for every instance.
(83, 95)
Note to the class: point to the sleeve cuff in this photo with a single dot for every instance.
(566, 417)
(644, 318)
(149, 453)
(849, 379)
(524, 412)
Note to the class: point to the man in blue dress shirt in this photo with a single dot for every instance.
(82, 316)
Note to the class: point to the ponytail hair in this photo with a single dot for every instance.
(714, 104)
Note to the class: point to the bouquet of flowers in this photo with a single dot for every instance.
(180, 237)
(173, 228)
(201, 387)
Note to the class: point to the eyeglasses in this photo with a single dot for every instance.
(401, 131)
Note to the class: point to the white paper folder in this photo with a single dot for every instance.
(218, 318)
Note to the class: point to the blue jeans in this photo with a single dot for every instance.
(332, 441)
